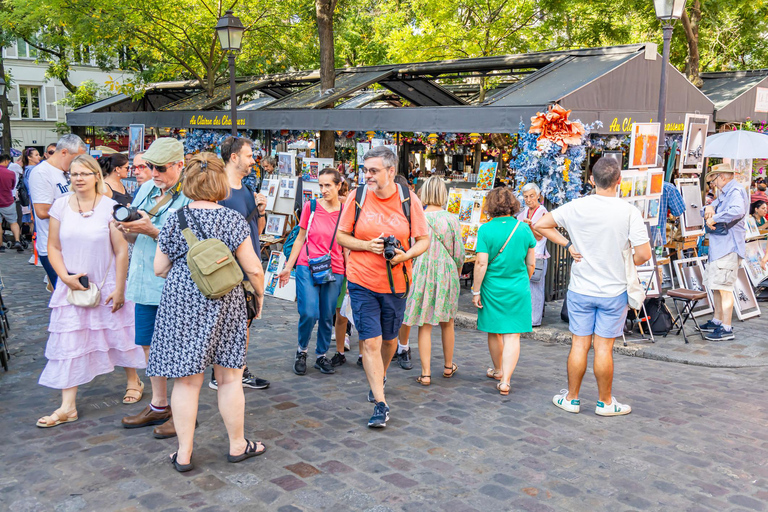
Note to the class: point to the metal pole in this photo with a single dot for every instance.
(667, 27)
(232, 92)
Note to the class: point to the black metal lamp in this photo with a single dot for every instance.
(668, 12)
(230, 30)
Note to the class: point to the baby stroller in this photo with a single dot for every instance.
(8, 236)
(4, 330)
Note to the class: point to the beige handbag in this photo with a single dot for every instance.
(91, 297)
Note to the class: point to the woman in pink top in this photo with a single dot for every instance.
(317, 302)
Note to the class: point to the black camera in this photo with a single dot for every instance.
(125, 213)
(390, 244)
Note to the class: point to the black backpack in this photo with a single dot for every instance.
(405, 200)
(22, 193)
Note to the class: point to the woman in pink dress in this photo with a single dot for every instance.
(87, 342)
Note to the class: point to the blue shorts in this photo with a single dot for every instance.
(376, 314)
(603, 316)
(145, 323)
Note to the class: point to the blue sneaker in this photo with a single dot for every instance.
(709, 326)
(370, 392)
(380, 415)
(720, 334)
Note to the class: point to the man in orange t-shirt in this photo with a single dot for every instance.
(377, 307)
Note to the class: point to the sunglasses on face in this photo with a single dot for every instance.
(158, 168)
(50, 152)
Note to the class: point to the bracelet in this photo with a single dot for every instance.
(474, 293)
(568, 245)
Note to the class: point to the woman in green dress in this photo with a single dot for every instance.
(501, 291)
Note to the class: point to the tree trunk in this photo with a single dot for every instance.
(324, 10)
(691, 27)
(6, 121)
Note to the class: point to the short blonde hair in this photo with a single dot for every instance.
(205, 178)
(433, 192)
(90, 163)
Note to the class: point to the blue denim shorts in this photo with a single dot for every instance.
(145, 323)
(376, 314)
(604, 316)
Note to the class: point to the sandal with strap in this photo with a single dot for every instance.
(493, 374)
(250, 451)
(501, 385)
(131, 398)
(422, 380)
(181, 468)
(57, 418)
(451, 370)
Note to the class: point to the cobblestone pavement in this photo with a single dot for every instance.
(697, 439)
(749, 349)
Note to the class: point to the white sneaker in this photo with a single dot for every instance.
(613, 408)
(346, 343)
(562, 402)
(333, 335)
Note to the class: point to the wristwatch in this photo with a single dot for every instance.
(475, 293)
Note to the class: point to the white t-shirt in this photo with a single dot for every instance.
(601, 229)
(46, 184)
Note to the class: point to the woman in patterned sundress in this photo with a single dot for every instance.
(192, 331)
(434, 297)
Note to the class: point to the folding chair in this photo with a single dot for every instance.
(688, 299)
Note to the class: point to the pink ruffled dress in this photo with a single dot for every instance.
(87, 342)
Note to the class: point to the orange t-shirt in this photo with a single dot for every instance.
(379, 216)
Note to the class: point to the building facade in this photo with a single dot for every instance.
(33, 107)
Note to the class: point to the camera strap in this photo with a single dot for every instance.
(392, 281)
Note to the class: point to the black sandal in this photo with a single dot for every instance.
(182, 468)
(250, 451)
(421, 380)
(454, 368)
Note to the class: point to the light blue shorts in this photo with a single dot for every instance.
(603, 316)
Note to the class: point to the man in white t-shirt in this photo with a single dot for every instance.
(47, 183)
(601, 227)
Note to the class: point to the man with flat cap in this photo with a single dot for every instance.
(727, 241)
(156, 200)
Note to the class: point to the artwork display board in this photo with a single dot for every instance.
(755, 252)
(694, 139)
(692, 221)
(135, 140)
(275, 265)
(643, 145)
(275, 224)
(642, 189)
(690, 275)
(487, 176)
(287, 188)
(468, 206)
(311, 167)
(269, 188)
(648, 273)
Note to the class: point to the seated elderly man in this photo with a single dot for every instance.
(727, 240)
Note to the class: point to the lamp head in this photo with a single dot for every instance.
(230, 30)
(669, 10)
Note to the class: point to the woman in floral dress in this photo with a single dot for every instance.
(434, 297)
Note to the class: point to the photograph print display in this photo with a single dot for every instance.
(744, 300)
(754, 254)
(643, 145)
(286, 164)
(692, 221)
(275, 225)
(694, 139)
(690, 275)
(135, 140)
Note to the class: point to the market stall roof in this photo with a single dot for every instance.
(735, 95)
(615, 85)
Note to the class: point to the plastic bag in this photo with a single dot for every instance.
(346, 310)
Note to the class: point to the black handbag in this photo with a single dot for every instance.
(250, 303)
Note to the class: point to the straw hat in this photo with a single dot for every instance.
(716, 170)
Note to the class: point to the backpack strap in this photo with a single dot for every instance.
(405, 201)
(360, 194)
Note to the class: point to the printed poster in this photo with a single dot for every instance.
(272, 287)
(487, 175)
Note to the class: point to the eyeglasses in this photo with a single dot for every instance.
(158, 168)
(141, 167)
(76, 175)
(372, 170)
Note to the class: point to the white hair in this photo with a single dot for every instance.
(71, 143)
(531, 186)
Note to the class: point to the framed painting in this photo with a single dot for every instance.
(692, 147)
(690, 275)
(692, 221)
(644, 145)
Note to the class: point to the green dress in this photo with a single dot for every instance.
(506, 290)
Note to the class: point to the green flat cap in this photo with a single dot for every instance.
(164, 151)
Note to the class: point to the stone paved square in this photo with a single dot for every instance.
(696, 439)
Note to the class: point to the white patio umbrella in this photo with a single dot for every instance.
(737, 144)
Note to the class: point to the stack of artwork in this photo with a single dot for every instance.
(468, 206)
(272, 287)
(643, 189)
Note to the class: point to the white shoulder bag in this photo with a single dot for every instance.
(91, 297)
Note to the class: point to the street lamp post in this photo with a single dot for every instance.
(668, 12)
(230, 31)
